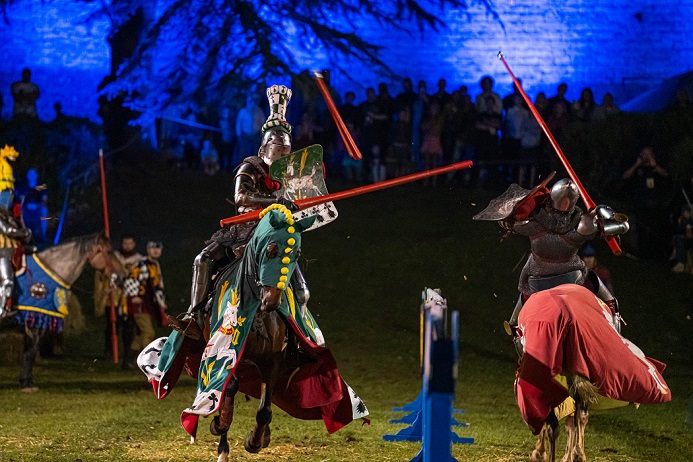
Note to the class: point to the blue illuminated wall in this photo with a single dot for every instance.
(619, 46)
(67, 57)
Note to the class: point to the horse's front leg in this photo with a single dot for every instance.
(581, 418)
(571, 438)
(259, 437)
(545, 450)
(221, 423)
(538, 455)
(553, 431)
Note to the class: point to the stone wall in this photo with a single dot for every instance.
(67, 57)
(621, 46)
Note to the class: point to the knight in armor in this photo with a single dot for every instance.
(556, 229)
(254, 189)
(12, 234)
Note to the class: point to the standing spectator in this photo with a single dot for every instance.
(352, 169)
(60, 118)
(386, 105)
(585, 108)
(608, 106)
(407, 97)
(128, 256)
(248, 124)
(451, 112)
(515, 118)
(25, 94)
(560, 98)
(145, 303)
(441, 97)
(209, 157)
(530, 150)
(431, 145)
(34, 202)
(419, 109)
(649, 183)
(558, 118)
(511, 100)
(489, 108)
(227, 125)
(348, 111)
(374, 129)
(542, 105)
(463, 126)
(399, 153)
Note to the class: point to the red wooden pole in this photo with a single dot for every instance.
(107, 232)
(311, 201)
(589, 203)
(349, 143)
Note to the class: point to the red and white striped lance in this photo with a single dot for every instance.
(312, 201)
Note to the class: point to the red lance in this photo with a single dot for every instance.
(589, 203)
(351, 147)
(107, 231)
(311, 201)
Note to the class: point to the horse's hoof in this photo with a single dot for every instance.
(266, 438)
(537, 456)
(223, 457)
(215, 429)
(248, 445)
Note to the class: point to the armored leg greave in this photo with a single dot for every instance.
(6, 284)
(193, 322)
(516, 312)
(202, 273)
(300, 287)
(604, 294)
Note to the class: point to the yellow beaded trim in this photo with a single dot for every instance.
(291, 241)
(282, 208)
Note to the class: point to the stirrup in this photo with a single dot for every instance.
(187, 327)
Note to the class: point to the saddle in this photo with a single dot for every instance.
(22, 249)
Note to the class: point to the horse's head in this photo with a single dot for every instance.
(275, 243)
(101, 257)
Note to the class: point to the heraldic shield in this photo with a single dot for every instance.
(302, 176)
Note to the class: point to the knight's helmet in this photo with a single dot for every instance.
(564, 195)
(276, 132)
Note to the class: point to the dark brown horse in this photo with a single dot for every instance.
(259, 341)
(265, 350)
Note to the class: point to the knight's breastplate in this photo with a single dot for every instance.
(553, 248)
(255, 186)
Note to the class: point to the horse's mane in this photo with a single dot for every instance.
(83, 244)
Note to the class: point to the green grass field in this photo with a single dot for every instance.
(366, 272)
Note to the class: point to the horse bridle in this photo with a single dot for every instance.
(102, 252)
